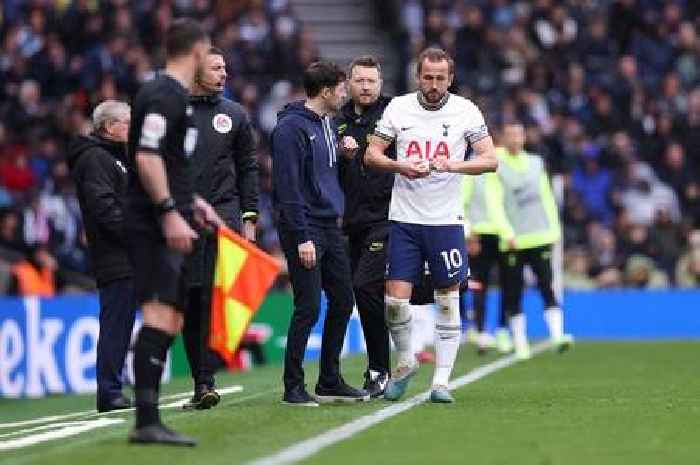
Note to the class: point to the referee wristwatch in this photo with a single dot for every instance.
(165, 206)
(250, 216)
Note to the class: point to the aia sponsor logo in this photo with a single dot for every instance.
(427, 150)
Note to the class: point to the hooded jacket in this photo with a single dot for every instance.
(306, 188)
(98, 168)
(367, 192)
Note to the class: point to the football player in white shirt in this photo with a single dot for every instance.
(432, 130)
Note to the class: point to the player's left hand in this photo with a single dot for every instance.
(249, 230)
(205, 215)
(348, 146)
(441, 165)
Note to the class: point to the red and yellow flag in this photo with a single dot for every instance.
(243, 275)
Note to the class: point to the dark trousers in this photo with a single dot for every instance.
(332, 274)
(368, 262)
(195, 336)
(117, 314)
(199, 276)
(540, 261)
(480, 266)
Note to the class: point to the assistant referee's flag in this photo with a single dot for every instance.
(243, 275)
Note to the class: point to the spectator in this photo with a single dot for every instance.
(576, 270)
(677, 173)
(35, 275)
(688, 267)
(641, 273)
(646, 196)
(593, 184)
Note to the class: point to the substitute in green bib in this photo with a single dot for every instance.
(528, 226)
(482, 207)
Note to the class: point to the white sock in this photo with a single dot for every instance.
(518, 327)
(423, 326)
(448, 329)
(418, 318)
(428, 330)
(554, 318)
(398, 320)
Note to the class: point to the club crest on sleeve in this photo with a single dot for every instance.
(222, 123)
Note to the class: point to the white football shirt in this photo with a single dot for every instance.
(428, 134)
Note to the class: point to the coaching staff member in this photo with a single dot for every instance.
(310, 202)
(98, 167)
(367, 197)
(161, 211)
(225, 173)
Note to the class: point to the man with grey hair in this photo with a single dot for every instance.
(98, 167)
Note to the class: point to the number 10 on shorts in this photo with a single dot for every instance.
(453, 260)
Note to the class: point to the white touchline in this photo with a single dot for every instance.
(305, 449)
(64, 430)
(224, 391)
(89, 413)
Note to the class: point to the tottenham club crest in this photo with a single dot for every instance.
(222, 123)
(445, 130)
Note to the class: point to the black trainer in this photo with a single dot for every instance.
(159, 434)
(299, 397)
(204, 398)
(115, 403)
(341, 393)
(375, 383)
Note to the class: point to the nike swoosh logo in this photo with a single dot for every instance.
(406, 129)
(312, 138)
(452, 275)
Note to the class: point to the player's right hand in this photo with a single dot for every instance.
(178, 234)
(415, 169)
(307, 254)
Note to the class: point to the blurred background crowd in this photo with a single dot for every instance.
(609, 92)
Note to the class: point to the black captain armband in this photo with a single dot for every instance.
(165, 206)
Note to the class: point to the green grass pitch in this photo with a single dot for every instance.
(630, 403)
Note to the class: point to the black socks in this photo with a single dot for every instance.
(150, 352)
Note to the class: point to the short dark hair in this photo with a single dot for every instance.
(182, 35)
(216, 51)
(321, 74)
(435, 55)
(365, 61)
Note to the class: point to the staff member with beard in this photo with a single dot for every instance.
(366, 220)
(225, 174)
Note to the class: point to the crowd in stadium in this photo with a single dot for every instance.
(610, 94)
(609, 91)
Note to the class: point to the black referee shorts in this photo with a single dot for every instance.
(158, 269)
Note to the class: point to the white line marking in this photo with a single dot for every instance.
(67, 416)
(224, 391)
(64, 430)
(305, 449)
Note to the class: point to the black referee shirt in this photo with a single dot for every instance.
(162, 124)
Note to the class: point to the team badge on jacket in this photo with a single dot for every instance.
(222, 123)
